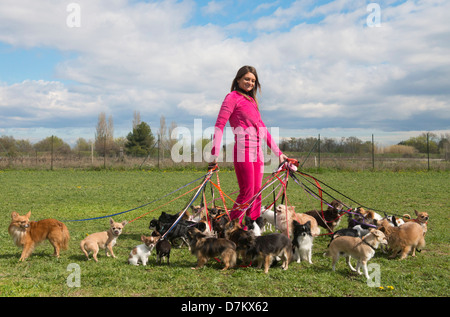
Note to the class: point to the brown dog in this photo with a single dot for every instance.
(404, 239)
(102, 240)
(284, 224)
(331, 217)
(267, 247)
(362, 249)
(28, 234)
(204, 248)
(242, 238)
(422, 219)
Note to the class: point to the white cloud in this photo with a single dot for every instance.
(214, 7)
(40, 101)
(151, 57)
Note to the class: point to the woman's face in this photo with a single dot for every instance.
(247, 82)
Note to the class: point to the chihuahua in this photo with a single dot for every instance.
(141, 252)
(104, 240)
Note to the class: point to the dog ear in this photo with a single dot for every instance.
(394, 221)
(124, 222)
(375, 232)
(278, 209)
(260, 221)
(14, 215)
(28, 215)
(201, 226)
(416, 212)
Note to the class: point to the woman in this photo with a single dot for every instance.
(240, 108)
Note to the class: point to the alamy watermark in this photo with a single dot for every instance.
(74, 278)
(73, 19)
(241, 145)
(374, 18)
(374, 271)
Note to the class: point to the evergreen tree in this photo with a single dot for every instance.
(140, 142)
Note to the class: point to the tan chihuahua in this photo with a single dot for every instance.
(362, 249)
(104, 240)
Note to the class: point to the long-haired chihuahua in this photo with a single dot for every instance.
(205, 247)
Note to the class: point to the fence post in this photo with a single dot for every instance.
(373, 154)
(104, 152)
(92, 153)
(159, 147)
(319, 149)
(428, 149)
(51, 157)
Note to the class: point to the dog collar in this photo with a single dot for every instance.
(363, 240)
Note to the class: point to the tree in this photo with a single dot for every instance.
(420, 143)
(136, 119)
(162, 135)
(82, 145)
(104, 136)
(444, 145)
(52, 143)
(12, 147)
(141, 141)
(24, 146)
(8, 145)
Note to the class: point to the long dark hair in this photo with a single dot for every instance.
(241, 72)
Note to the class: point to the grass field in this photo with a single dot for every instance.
(71, 194)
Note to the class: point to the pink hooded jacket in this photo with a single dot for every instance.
(248, 128)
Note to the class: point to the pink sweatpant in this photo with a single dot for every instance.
(249, 176)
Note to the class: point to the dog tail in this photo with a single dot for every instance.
(233, 259)
(406, 217)
(421, 243)
(65, 237)
(289, 254)
(82, 243)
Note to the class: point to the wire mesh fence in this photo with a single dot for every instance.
(307, 160)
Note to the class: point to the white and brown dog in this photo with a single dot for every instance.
(141, 252)
(421, 218)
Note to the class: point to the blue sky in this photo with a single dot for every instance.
(323, 68)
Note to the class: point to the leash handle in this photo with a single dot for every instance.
(292, 162)
(289, 163)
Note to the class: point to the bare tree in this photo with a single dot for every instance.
(136, 119)
(162, 134)
(172, 141)
(104, 136)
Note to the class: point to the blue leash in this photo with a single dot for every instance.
(153, 201)
(205, 181)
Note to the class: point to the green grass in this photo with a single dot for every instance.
(68, 194)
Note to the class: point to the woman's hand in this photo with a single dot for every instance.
(212, 164)
(282, 158)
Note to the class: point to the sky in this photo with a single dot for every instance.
(335, 68)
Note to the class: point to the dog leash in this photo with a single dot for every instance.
(205, 181)
(149, 203)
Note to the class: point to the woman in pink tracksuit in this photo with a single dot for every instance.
(240, 108)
